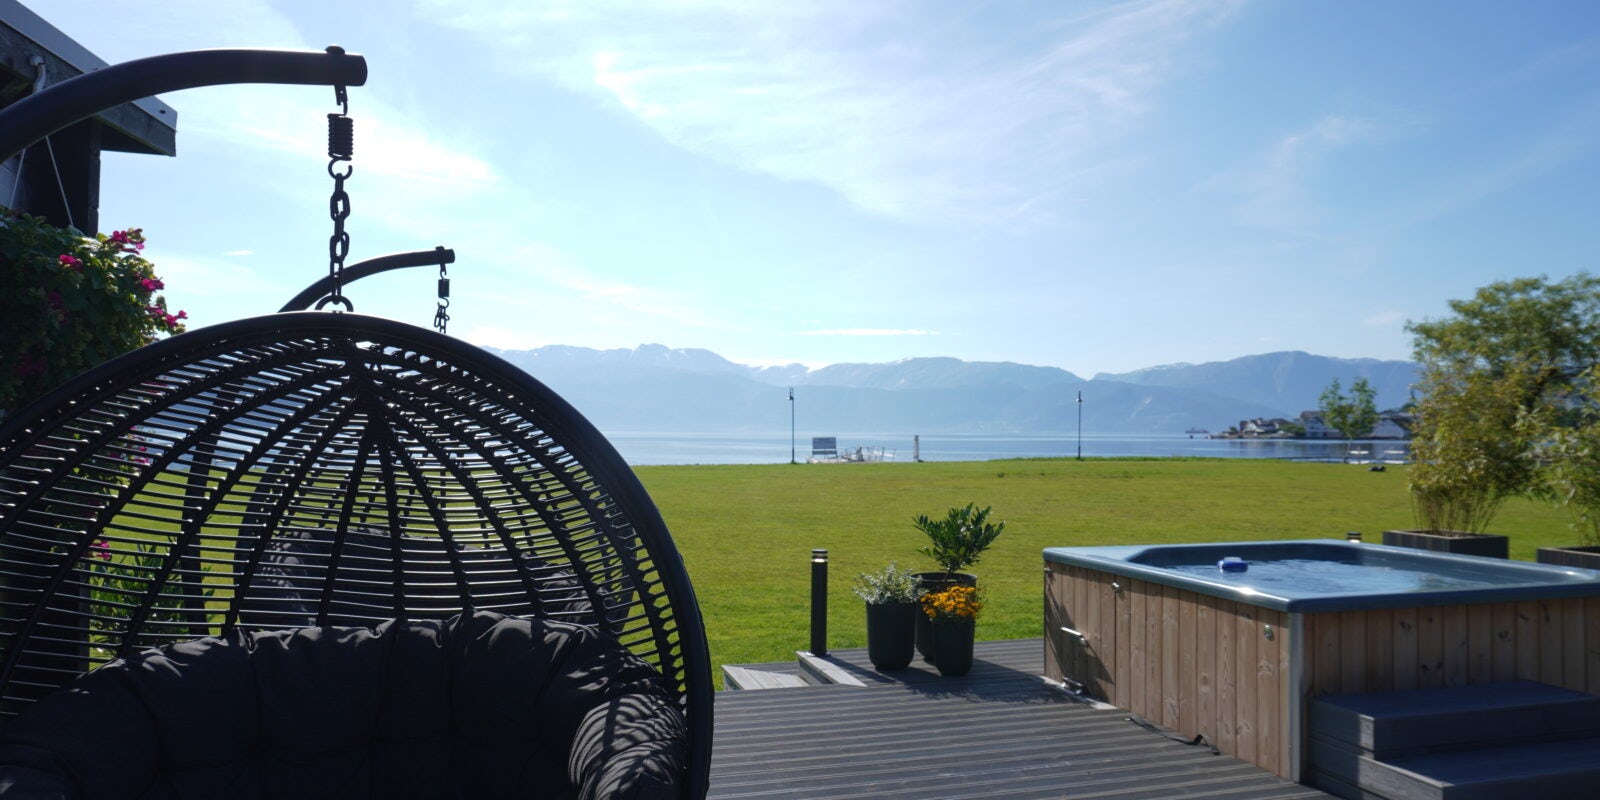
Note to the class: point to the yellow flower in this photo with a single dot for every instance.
(953, 603)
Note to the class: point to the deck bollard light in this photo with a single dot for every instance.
(819, 602)
(1352, 536)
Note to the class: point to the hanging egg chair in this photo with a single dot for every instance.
(327, 554)
(315, 469)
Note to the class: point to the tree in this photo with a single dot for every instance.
(1571, 478)
(69, 303)
(1551, 329)
(1502, 378)
(1354, 416)
(1471, 448)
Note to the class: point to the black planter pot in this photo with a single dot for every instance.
(936, 582)
(952, 647)
(891, 634)
(1585, 557)
(1491, 545)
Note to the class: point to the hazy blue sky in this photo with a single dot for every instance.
(1099, 186)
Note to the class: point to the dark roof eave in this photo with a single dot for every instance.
(143, 126)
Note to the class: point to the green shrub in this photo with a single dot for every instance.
(888, 586)
(958, 540)
(71, 303)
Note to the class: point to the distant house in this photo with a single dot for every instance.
(1394, 425)
(1391, 425)
(59, 178)
(1316, 428)
(1261, 426)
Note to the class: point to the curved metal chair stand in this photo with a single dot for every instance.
(329, 470)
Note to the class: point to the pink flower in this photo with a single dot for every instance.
(102, 550)
(28, 364)
(55, 300)
(132, 241)
(152, 284)
(71, 263)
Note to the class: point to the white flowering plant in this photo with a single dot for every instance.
(888, 586)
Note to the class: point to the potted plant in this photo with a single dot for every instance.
(891, 596)
(955, 542)
(1471, 453)
(953, 617)
(1572, 480)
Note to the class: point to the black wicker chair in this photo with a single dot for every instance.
(284, 476)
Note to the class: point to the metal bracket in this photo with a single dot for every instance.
(1082, 640)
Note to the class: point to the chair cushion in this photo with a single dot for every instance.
(479, 705)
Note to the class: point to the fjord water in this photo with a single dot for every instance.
(643, 448)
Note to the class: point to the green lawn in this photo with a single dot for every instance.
(746, 532)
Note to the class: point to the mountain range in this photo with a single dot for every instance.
(657, 388)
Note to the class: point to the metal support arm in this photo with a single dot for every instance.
(372, 266)
(45, 112)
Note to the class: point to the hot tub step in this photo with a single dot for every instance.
(1562, 770)
(1390, 724)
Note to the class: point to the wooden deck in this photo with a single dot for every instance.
(999, 732)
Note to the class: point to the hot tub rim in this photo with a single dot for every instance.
(1115, 559)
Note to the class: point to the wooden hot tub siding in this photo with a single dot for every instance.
(1203, 665)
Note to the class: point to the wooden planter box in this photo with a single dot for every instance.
(1585, 557)
(1492, 545)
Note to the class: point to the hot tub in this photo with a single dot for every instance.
(1165, 633)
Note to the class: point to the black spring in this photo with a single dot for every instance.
(341, 137)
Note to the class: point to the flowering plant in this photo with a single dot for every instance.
(120, 577)
(892, 585)
(70, 303)
(954, 604)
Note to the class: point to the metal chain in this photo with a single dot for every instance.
(441, 318)
(341, 147)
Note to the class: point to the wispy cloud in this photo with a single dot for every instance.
(215, 277)
(1547, 150)
(762, 363)
(554, 270)
(918, 115)
(500, 338)
(1276, 188)
(870, 332)
(272, 119)
(1384, 319)
(1561, 58)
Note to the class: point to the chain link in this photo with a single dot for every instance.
(441, 318)
(341, 147)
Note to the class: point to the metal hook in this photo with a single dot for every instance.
(336, 300)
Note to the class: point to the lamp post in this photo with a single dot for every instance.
(791, 425)
(819, 602)
(1080, 424)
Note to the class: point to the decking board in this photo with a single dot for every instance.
(1000, 732)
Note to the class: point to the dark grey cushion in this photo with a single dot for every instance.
(479, 706)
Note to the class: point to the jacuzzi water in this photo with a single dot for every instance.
(1321, 576)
